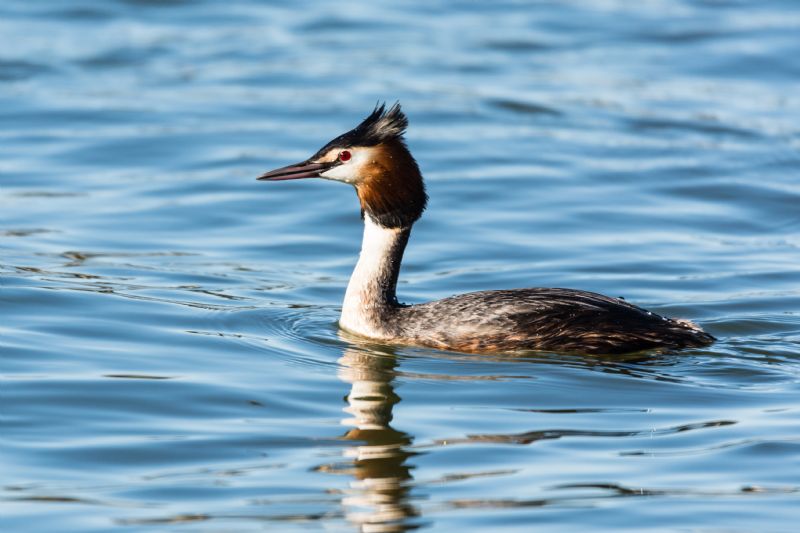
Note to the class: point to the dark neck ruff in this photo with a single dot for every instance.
(393, 193)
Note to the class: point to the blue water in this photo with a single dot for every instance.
(170, 355)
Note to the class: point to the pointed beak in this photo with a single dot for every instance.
(306, 169)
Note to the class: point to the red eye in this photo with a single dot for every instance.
(344, 155)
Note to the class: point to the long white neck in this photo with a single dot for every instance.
(371, 291)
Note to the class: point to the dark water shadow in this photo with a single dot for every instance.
(530, 437)
(583, 494)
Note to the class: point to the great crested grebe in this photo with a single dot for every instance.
(374, 159)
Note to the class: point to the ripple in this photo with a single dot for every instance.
(517, 45)
(11, 70)
(528, 108)
(135, 376)
(26, 232)
(123, 57)
(611, 490)
(705, 127)
(530, 437)
(306, 335)
(758, 448)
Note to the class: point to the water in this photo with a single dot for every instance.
(170, 355)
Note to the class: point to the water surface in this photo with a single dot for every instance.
(170, 354)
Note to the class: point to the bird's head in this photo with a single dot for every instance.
(374, 158)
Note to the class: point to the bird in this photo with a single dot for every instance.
(374, 158)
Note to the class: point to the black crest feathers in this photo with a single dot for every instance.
(380, 126)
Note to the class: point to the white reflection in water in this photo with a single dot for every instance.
(378, 498)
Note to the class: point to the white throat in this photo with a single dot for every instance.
(371, 291)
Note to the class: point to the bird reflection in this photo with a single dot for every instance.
(378, 499)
